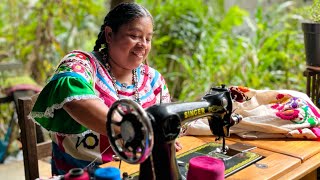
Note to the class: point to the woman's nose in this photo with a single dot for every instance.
(142, 42)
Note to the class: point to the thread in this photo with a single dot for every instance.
(205, 167)
(77, 174)
(107, 173)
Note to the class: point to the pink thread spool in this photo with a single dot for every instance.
(205, 167)
(77, 174)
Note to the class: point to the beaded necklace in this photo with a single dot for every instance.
(114, 80)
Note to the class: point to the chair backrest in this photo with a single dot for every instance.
(313, 85)
(32, 152)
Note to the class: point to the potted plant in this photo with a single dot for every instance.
(311, 31)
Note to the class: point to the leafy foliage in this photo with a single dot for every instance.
(40, 32)
(315, 11)
(199, 44)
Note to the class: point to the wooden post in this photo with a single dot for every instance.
(28, 132)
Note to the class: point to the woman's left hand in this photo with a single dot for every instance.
(178, 146)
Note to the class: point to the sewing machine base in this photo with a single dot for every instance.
(236, 158)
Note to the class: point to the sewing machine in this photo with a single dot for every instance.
(147, 137)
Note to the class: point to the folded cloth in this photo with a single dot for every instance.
(268, 114)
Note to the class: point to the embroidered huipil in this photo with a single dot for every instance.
(80, 75)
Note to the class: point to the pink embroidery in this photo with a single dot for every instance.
(288, 114)
(316, 131)
(81, 56)
(145, 79)
(314, 110)
(78, 68)
(279, 96)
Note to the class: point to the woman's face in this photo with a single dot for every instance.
(130, 46)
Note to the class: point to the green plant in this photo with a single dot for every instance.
(40, 32)
(315, 11)
(199, 44)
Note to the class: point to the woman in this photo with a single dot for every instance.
(73, 106)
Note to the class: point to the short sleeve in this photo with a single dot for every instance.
(72, 80)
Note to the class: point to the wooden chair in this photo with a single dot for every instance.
(313, 84)
(32, 152)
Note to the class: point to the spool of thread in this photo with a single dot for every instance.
(205, 167)
(107, 173)
(77, 174)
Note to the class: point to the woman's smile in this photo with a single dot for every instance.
(139, 53)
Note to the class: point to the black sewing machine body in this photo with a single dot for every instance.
(157, 156)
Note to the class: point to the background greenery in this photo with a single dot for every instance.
(197, 43)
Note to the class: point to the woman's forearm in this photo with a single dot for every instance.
(91, 113)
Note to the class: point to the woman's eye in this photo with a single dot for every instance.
(134, 36)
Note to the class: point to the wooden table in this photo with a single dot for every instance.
(307, 151)
(285, 159)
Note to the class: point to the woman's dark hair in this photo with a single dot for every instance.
(118, 16)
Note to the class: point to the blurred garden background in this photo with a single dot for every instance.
(197, 43)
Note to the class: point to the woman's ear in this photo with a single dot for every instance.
(108, 33)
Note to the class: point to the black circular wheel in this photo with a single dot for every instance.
(129, 131)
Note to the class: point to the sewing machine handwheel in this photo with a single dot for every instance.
(129, 131)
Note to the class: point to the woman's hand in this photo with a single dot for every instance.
(178, 146)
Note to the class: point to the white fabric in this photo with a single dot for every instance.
(268, 114)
